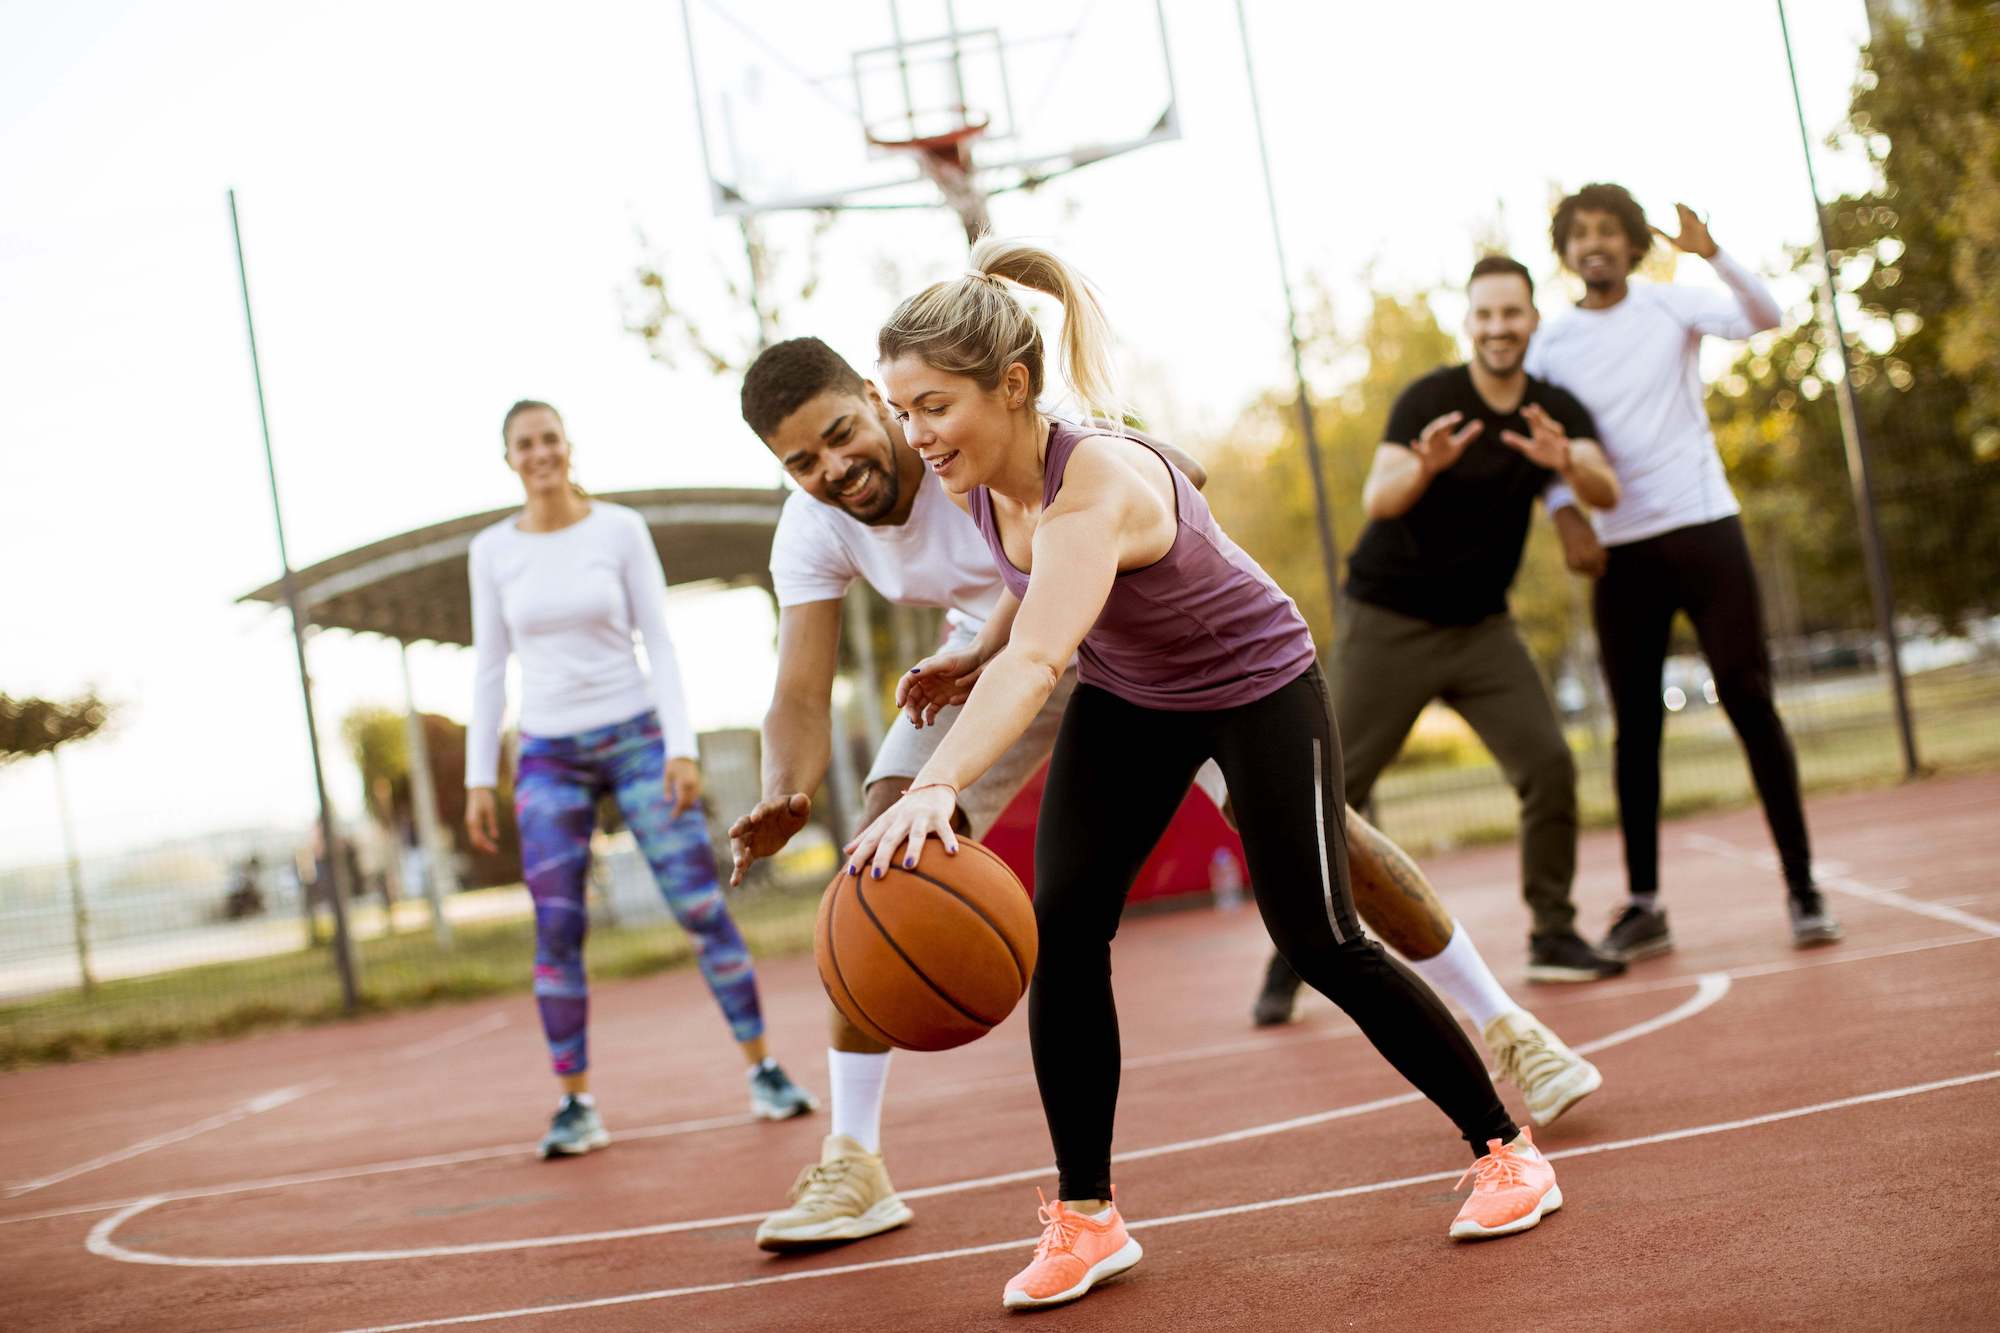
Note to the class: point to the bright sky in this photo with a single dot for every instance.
(441, 206)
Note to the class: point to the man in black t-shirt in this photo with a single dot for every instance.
(1468, 451)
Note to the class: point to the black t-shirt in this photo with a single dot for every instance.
(1452, 556)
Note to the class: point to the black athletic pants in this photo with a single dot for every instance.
(1118, 773)
(1704, 570)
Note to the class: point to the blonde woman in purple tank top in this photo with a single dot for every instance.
(1187, 651)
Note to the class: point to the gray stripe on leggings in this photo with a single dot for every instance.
(1319, 823)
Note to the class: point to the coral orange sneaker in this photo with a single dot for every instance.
(1076, 1252)
(1513, 1188)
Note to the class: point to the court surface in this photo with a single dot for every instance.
(1783, 1139)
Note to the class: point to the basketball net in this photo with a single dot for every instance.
(947, 160)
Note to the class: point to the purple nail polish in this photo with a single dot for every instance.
(875, 872)
(853, 870)
(909, 863)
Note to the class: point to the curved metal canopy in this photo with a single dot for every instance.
(413, 587)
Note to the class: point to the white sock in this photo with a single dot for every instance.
(857, 1083)
(1461, 975)
(584, 1098)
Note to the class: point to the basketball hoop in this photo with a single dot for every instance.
(946, 158)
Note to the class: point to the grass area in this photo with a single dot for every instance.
(1845, 740)
(396, 972)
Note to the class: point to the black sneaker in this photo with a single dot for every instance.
(1281, 990)
(1812, 924)
(1568, 957)
(1639, 932)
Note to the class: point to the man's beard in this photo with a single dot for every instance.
(888, 492)
(1486, 363)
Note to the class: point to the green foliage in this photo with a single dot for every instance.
(1916, 260)
(30, 727)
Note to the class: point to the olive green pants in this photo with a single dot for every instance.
(1388, 666)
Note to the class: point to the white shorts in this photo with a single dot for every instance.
(906, 749)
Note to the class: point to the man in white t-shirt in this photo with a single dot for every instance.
(1629, 352)
(870, 509)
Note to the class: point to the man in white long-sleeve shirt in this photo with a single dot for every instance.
(1629, 352)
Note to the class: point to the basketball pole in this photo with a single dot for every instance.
(343, 952)
(1328, 557)
(1882, 590)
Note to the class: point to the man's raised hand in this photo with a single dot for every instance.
(1694, 238)
(1548, 446)
(1440, 446)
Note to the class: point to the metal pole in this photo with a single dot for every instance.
(343, 949)
(79, 914)
(1328, 557)
(1881, 590)
(438, 877)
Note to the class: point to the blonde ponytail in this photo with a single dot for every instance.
(973, 326)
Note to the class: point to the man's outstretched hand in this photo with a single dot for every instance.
(765, 831)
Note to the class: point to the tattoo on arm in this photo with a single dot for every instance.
(1393, 896)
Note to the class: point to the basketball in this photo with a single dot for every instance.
(930, 958)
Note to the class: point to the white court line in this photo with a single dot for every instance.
(1709, 989)
(1854, 888)
(380, 1168)
(262, 1102)
(1208, 1214)
(456, 1037)
(269, 1101)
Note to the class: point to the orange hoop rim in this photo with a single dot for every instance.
(944, 141)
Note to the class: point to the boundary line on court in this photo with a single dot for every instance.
(1208, 1214)
(262, 1102)
(1708, 990)
(1841, 883)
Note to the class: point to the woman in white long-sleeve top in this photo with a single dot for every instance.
(562, 586)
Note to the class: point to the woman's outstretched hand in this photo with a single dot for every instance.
(924, 812)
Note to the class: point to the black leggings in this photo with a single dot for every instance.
(1704, 570)
(1118, 774)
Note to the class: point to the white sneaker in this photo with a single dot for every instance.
(1551, 1077)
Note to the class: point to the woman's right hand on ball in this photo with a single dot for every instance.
(924, 811)
(482, 819)
(940, 681)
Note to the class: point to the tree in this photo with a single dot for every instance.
(31, 727)
(1916, 263)
(376, 737)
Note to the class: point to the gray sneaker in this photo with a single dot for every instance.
(1812, 924)
(773, 1095)
(574, 1131)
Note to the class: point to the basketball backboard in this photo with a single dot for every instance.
(800, 105)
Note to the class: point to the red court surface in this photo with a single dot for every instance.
(1784, 1140)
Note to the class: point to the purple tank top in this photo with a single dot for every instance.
(1201, 628)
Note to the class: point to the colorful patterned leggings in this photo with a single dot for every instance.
(556, 792)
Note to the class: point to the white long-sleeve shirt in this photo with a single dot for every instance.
(566, 603)
(1636, 366)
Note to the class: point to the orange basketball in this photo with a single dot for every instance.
(930, 958)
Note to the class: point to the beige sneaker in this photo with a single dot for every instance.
(1550, 1075)
(844, 1196)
